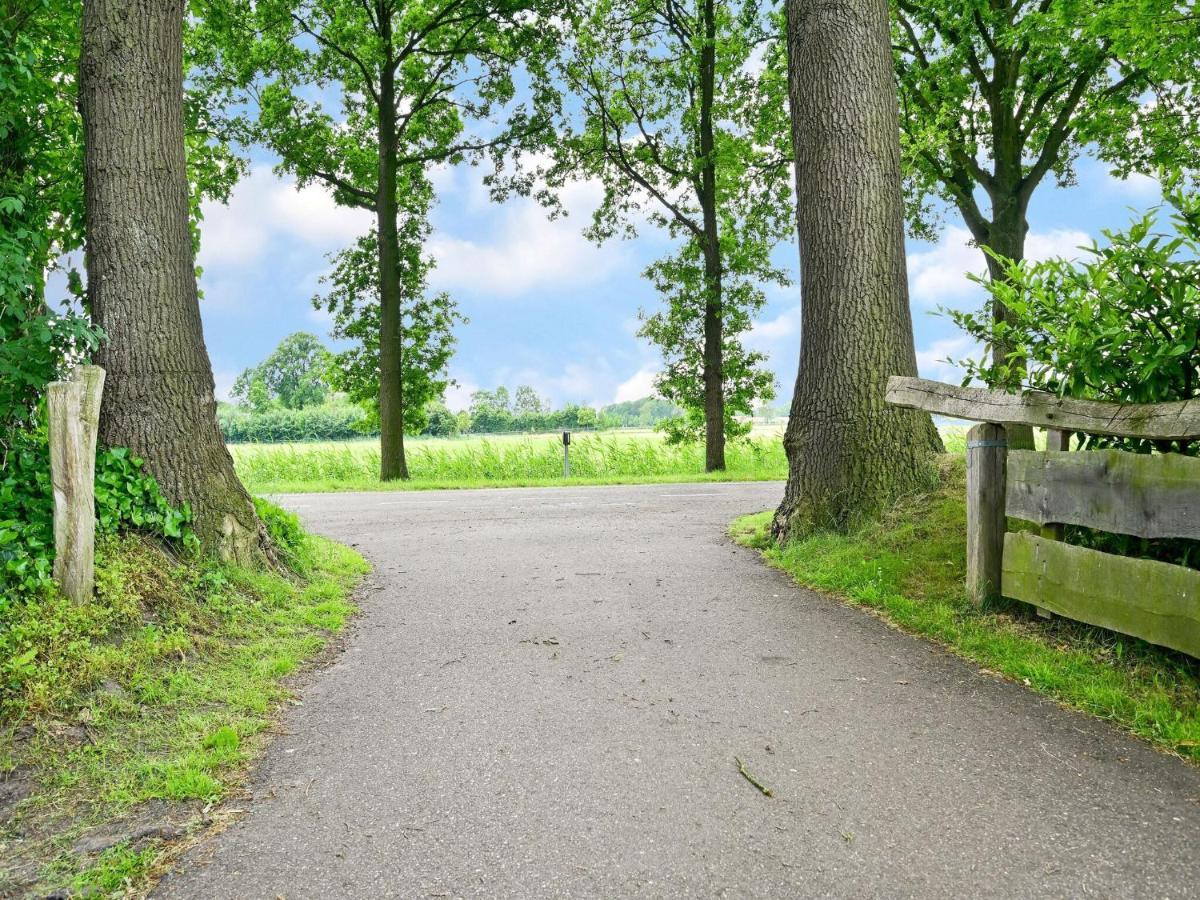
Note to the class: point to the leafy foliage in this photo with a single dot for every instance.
(41, 194)
(334, 420)
(679, 331)
(1124, 325)
(996, 96)
(682, 118)
(295, 375)
(426, 330)
(126, 498)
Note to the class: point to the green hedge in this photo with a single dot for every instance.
(328, 422)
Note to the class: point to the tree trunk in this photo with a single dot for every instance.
(392, 463)
(848, 453)
(714, 369)
(714, 315)
(141, 273)
(1006, 236)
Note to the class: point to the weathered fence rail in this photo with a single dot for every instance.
(1145, 496)
(73, 408)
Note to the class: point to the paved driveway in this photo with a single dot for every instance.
(546, 690)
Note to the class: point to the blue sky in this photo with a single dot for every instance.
(548, 308)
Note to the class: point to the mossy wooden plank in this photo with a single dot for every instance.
(1158, 421)
(1152, 600)
(1128, 493)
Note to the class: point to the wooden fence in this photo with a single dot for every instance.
(1145, 496)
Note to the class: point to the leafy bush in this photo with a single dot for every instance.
(286, 532)
(328, 422)
(126, 497)
(1122, 326)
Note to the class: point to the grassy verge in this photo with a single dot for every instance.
(138, 712)
(910, 569)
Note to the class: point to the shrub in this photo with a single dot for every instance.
(126, 497)
(1122, 326)
(328, 422)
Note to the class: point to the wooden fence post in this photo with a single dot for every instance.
(1057, 439)
(74, 415)
(987, 462)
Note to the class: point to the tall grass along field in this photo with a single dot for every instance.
(595, 458)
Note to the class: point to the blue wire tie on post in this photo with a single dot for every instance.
(976, 445)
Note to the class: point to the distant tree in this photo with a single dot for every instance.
(363, 96)
(527, 401)
(848, 452)
(158, 397)
(587, 417)
(680, 125)
(426, 327)
(490, 411)
(439, 421)
(642, 413)
(296, 374)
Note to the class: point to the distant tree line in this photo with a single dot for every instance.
(293, 395)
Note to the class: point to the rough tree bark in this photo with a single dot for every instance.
(848, 452)
(392, 462)
(159, 398)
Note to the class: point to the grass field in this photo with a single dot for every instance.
(611, 457)
(503, 460)
(910, 568)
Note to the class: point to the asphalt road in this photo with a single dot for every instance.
(546, 690)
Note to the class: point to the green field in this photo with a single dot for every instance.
(626, 456)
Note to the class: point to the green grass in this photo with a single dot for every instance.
(147, 704)
(910, 569)
(510, 461)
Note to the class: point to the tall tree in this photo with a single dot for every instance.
(678, 119)
(997, 95)
(398, 87)
(158, 397)
(848, 452)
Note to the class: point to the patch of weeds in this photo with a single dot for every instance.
(117, 871)
(139, 708)
(910, 568)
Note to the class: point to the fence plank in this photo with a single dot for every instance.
(73, 416)
(986, 450)
(1129, 493)
(1160, 421)
(1152, 600)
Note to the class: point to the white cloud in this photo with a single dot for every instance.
(931, 361)
(262, 207)
(784, 325)
(941, 273)
(224, 380)
(527, 250)
(637, 386)
(458, 395)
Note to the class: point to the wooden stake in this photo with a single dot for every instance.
(987, 460)
(74, 415)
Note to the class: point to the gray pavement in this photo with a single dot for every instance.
(546, 690)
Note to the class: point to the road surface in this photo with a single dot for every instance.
(546, 691)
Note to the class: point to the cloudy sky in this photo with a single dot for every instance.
(546, 307)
